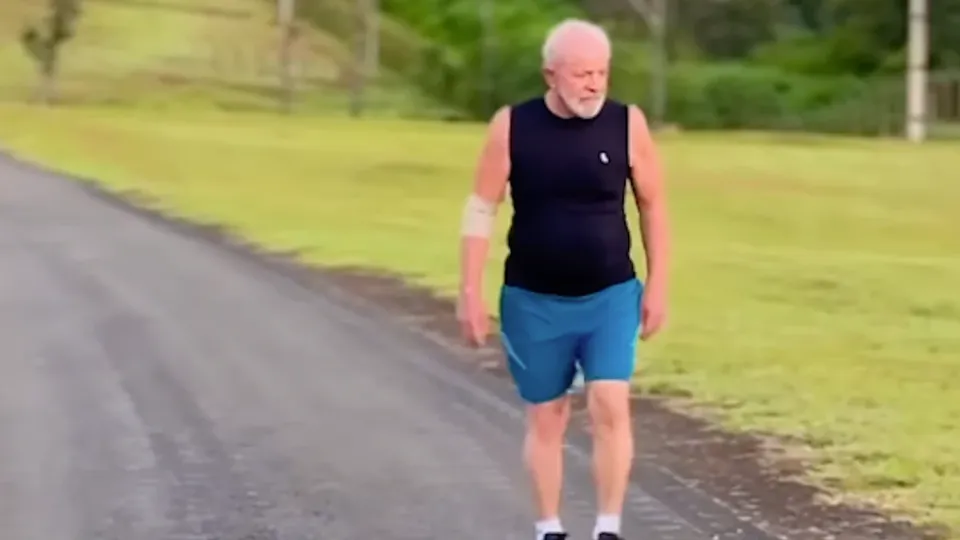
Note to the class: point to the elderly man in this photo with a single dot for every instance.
(570, 297)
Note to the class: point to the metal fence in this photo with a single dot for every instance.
(342, 56)
(156, 52)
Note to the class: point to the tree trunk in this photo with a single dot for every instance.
(47, 89)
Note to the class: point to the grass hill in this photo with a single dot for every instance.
(211, 52)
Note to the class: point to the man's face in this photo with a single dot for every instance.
(580, 80)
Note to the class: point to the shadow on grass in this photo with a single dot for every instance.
(255, 93)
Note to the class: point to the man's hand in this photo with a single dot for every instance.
(479, 212)
(653, 311)
(473, 318)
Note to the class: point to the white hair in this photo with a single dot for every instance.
(552, 45)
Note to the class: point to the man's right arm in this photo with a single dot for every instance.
(480, 210)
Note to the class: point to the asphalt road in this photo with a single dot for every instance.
(157, 387)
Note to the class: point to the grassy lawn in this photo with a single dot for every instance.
(815, 280)
(115, 43)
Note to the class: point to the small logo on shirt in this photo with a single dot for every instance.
(603, 158)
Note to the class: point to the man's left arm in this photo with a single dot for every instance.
(649, 192)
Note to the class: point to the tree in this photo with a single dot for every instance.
(42, 42)
(730, 29)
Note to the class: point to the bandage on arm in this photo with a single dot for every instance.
(648, 190)
(480, 207)
(479, 216)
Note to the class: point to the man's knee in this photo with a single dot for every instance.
(547, 422)
(608, 403)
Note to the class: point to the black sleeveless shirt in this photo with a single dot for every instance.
(568, 235)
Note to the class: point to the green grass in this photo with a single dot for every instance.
(815, 288)
(815, 279)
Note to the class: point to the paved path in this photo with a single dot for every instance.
(157, 387)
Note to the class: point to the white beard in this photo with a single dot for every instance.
(585, 110)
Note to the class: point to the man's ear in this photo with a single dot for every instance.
(548, 76)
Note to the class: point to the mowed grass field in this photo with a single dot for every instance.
(816, 288)
(815, 281)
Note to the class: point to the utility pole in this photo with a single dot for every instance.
(372, 46)
(285, 16)
(366, 42)
(658, 74)
(918, 43)
(654, 14)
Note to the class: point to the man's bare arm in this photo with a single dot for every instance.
(489, 190)
(650, 196)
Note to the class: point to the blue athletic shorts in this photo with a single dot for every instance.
(545, 337)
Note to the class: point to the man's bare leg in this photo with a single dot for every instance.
(609, 407)
(543, 455)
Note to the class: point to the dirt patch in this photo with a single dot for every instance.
(746, 473)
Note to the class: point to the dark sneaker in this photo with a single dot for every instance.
(609, 536)
(555, 536)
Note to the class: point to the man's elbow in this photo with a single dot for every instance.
(653, 218)
(656, 205)
(651, 201)
(479, 217)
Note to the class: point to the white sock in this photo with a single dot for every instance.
(546, 526)
(607, 523)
